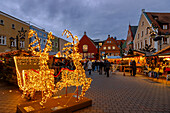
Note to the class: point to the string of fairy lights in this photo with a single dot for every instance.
(42, 78)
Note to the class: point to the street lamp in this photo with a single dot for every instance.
(20, 34)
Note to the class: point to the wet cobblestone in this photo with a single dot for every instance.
(116, 94)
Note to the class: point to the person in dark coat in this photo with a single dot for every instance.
(131, 67)
(100, 67)
(134, 67)
(104, 66)
(108, 65)
(93, 66)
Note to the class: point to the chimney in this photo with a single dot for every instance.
(143, 10)
(84, 32)
(108, 36)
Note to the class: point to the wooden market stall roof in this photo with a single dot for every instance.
(15, 52)
(135, 53)
(163, 51)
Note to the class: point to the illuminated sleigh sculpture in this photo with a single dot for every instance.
(75, 77)
(33, 73)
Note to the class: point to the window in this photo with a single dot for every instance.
(142, 34)
(40, 40)
(92, 55)
(13, 43)
(88, 55)
(56, 45)
(164, 40)
(138, 35)
(145, 42)
(100, 44)
(2, 40)
(22, 44)
(40, 34)
(113, 47)
(13, 26)
(150, 41)
(143, 23)
(2, 22)
(85, 48)
(138, 45)
(146, 31)
(85, 55)
(109, 47)
(52, 44)
(81, 54)
(44, 35)
(141, 44)
(165, 27)
(44, 41)
(135, 46)
(104, 48)
(108, 41)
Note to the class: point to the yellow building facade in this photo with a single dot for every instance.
(10, 28)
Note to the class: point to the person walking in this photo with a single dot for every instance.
(104, 66)
(107, 67)
(100, 67)
(89, 65)
(134, 67)
(131, 68)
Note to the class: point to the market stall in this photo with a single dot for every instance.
(159, 63)
(138, 57)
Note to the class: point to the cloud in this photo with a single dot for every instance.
(97, 17)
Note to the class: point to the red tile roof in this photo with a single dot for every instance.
(119, 42)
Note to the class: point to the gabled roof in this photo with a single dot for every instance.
(119, 42)
(113, 43)
(134, 29)
(85, 36)
(92, 41)
(158, 20)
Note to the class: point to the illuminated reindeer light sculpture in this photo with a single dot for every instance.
(39, 78)
(33, 73)
(75, 77)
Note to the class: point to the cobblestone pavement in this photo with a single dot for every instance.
(118, 93)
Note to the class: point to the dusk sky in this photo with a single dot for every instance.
(97, 17)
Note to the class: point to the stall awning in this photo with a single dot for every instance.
(113, 57)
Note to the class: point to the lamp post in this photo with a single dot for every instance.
(21, 35)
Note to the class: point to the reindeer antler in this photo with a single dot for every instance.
(75, 39)
(48, 45)
(30, 35)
